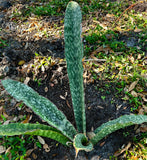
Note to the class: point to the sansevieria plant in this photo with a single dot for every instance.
(60, 128)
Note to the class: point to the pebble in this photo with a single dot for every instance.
(1, 18)
(130, 42)
(4, 70)
(4, 66)
(4, 4)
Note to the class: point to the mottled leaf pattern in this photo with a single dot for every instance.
(121, 122)
(33, 129)
(41, 106)
(74, 54)
(48, 111)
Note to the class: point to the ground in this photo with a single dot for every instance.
(115, 50)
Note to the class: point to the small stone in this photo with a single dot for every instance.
(5, 60)
(4, 4)
(4, 70)
(1, 18)
(95, 158)
(130, 42)
(2, 149)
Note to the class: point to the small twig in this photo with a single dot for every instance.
(130, 7)
(123, 150)
(97, 60)
(86, 60)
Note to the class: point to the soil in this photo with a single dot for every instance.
(98, 110)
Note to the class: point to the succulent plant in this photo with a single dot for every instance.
(60, 128)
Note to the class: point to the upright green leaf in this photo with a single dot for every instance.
(41, 106)
(33, 129)
(121, 122)
(74, 54)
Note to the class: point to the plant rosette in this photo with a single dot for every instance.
(60, 128)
